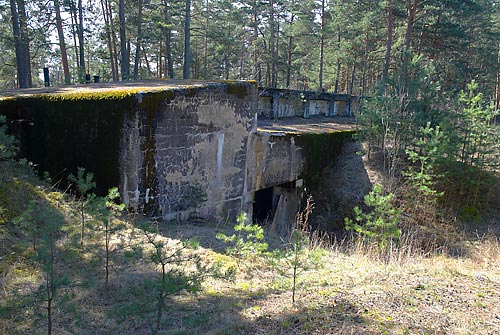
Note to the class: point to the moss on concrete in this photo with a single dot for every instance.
(239, 89)
(320, 151)
(61, 129)
(62, 132)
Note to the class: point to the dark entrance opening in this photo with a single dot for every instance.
(263, 206)
(266, 202)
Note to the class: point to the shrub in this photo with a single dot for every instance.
(380, 224)
(248, 239)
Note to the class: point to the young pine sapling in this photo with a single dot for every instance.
(172, 257)
(84, 182)
(248, 239)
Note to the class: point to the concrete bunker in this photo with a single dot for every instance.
(178, 150)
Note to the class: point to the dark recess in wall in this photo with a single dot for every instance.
(60, 137)
(263, 205)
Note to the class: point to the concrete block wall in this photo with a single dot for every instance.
(282, 103)
(192, 155)
(175, 149)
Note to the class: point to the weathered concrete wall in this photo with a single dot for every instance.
(287, 162)
(194, 154)
(60, 134)
(273, 159)
(174, 149)
(280, 103)
(277, 158)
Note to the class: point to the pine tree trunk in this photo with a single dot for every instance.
(205, 42)
(321, 45)
(81, 42)
(74, 32)
(388, 47)
(289, 60)
(365, 57)
(146, 60)
(497, 83)
(337, 75)
(123, 42)
(187, 41)
(22, 78)
(168, 45)
(159, 64)
(412, 11)
(25, 40)
(353, 73)
(257, 72)
(272, 49)
(139, 41)
(62, 43)
(113, 37)
(109, 43)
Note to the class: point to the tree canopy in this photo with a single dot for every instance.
(348, 46)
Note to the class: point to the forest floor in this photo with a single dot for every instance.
(344, 287)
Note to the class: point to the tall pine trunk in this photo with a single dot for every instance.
(321, 45)
(337, 75)
(25, 40)
(113, 37)
(109, 42)
(81, 42)
(289, 58)
(256, 64)
(62, 43)
(187, 41)
(205, 41)
(74, 32)
(412, 11)
(168, 44)
(497, 83)
(125, 64)
(272, 44)
(22, 70)
(388, 47)
(139, 41)
(365, 54)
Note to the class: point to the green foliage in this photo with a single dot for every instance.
(7, 142)
(380, 224)
(84, 182)
(391, 123)
(248, 239)
(46, 222)
(107, 209)
(299, 255)
(176, 259)
(479, 135)
(421, 174)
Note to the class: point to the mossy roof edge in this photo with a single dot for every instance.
(121, 92)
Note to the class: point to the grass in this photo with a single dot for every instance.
(351, 290)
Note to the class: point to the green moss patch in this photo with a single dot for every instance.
(320, 151)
